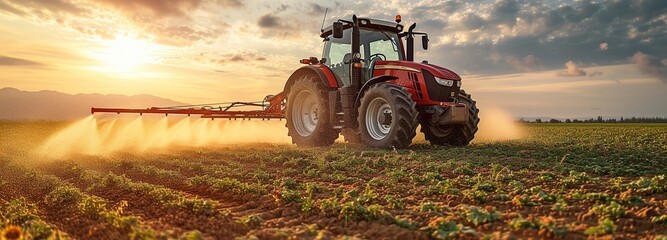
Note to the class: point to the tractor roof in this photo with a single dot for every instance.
(368, 23)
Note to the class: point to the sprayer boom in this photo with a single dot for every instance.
(271, 107)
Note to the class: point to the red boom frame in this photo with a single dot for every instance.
(272, 108)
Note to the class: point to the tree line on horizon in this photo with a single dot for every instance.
(599, 119)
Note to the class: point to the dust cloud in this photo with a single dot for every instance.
(107, 134)
(496, 125)
(104, 135)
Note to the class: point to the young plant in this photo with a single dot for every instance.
(519, 222)
(475, 195)
(577, 178)
(478, 216)
(428, 207)
(604, 227)
(394, 202)
(329, 205)
(441, 228)
(659, 219)
(523, 200)
(63, 195)
(612, 211)
(251, 221)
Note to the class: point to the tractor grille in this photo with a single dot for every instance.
(417, 86)
(439, 92)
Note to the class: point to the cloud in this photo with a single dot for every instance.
(41, 8)
(231, 3)
(651, 65)
(269, 21)
(164, 8)
(10, 61)
(241, 56)
(525, 64)
(552, 33)
(432, 8)
(571, 70)
(472, 21)
(6, 7)
(505, 12)
(180, 35)
(604, 46)
(274, 26)
(596, 73)
(316, 9)
(168, 22)
(157, 8)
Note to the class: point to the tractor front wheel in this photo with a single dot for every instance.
(454, 135)
(307, 114)
(387, 117)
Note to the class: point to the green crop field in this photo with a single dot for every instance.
(567, 181)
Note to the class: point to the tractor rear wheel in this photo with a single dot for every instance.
(387, 117)
(307, 114)
(451, 134)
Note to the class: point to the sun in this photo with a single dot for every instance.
(126, 53)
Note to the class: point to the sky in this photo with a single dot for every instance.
(562, 59)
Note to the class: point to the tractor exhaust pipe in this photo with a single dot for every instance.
(410, 42)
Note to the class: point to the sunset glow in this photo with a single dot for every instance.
(125, 53)
(193, 51)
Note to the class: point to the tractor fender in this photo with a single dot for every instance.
(369, 83)
(320, 71)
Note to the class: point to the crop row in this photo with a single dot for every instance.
(56, 198)
(19, 217)
(153, 201)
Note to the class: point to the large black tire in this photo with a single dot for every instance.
(307, 114)
(454, 134)
(387, 117)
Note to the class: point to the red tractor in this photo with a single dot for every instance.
(367, 87)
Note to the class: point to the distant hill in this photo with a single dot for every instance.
(50, 105)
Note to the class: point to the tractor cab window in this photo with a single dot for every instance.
(382, 46)
(375, 46)
(338, 52)
(385, 48)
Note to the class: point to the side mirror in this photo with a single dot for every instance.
(425, 42)
(337, 30)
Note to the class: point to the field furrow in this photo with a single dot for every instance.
(67, 209)
(232, 195)
(163, 207)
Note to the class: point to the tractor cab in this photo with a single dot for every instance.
(379, 40)
(376, 44)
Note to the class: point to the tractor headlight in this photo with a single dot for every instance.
(458, 84)
(444, 82)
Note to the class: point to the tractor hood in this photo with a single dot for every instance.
(436, 70)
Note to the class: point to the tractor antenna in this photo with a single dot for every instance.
(324, 19)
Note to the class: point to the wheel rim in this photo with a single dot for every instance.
(378, 118)
(305, 114)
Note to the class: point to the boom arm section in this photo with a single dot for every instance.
(271, 107)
